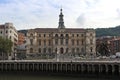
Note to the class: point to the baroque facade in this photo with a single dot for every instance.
(61, 40)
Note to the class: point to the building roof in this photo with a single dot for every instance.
(2, 26)
(69, 30)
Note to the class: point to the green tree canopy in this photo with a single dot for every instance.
(103, 49)
(5, 45)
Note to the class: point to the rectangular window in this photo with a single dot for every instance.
(91, 49)
(82, 42)
(44, 35)
(91, 34)
(49, 50)
(49, 43)
(73, 50)
(82, 35)
(67, 50)
(61, 41)
(44, 50)
(91, 41)
(39, 35)
(77, 50)
(72, 42)
(72, 35)
(44, 42)
(56, 41)
(77, 42)
(82, 49)
(31, 41)
(77, 35)
(39, 50)
(10, 31)
(39, 42)
(6, 31)
(67, 41)
(49, 35)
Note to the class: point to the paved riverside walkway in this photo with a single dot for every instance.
(81, 61)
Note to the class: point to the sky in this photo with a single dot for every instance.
(30, 14)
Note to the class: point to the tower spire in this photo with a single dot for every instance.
(61, 20)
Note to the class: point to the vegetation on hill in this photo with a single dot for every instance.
(115, 31)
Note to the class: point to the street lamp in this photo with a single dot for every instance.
(58, 55)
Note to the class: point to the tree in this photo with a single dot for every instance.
(5, 47)
(103, 49)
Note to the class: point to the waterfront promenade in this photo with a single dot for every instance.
(73, 66)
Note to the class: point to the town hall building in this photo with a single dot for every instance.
(64, 41)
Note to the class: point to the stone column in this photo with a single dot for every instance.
(33, 66)
(88, 68)
(2, 66)
(106, 66)
(113, 69)
(28, 66)
(99, 68)
(93, 69)
(119, 69)
(82, 68)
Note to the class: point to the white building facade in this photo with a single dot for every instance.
(8, 31)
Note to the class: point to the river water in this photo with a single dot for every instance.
(34, 76)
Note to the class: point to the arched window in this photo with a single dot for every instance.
(61, 36)
(56, 41)
(91, 34)
(91, 49)
(61, 39)
(56, 35)
(31, 34)
(67, 36)
(31, 50)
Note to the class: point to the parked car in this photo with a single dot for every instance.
(117, 55)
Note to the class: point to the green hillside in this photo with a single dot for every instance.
(115, 31)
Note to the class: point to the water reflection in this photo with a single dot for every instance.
(37, 76)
